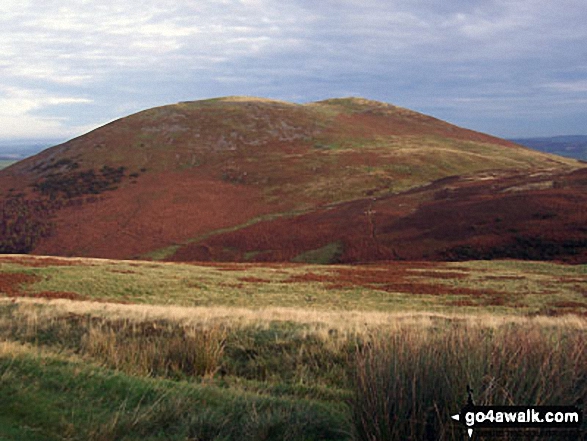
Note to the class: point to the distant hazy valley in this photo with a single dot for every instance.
(569, 146)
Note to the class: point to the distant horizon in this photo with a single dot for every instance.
(574, 135)
(15, 145)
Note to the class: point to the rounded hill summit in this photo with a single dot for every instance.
(242, 178)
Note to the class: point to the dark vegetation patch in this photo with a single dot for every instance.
(115, 271)
(23, 223)
(569, 304)
(26, 219)
(524, 248)
(503, 277)
(73, 184)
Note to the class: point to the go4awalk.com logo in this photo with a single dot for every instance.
(519, 417)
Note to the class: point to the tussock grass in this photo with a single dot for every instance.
(408, 384)
(391, 375)
(138, 347)
(151, 350)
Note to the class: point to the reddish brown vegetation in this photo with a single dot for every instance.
(165, 209)
(40, 262)
(254, 280)
(569, 304)
(54, 295)
(509, 216)
(403, 278)
(203, 167)
(11, 284)
(26, 217)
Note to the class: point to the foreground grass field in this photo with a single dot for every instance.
(105, 350)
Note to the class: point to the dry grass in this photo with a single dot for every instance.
(154, 345)
(407, 385)
(151, 350)
(345, 322)
(400, 374)
(395, 364)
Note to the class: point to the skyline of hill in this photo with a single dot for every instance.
(243, 178)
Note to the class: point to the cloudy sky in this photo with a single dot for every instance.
(510, 68)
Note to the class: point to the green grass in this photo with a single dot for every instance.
(506, 287)
(403, 163)
(276, 379)
(329, 253)
(272, 352)
(56, 397)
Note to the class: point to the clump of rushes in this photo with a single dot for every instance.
(361, 376)
(409, 383)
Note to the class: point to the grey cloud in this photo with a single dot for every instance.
(453, 59)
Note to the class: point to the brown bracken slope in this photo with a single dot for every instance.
(498, 215)
(247, 179)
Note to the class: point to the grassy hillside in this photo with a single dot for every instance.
(98, 349)
(171, 175)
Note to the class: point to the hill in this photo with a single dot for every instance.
(251, 179)
(569, 146)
